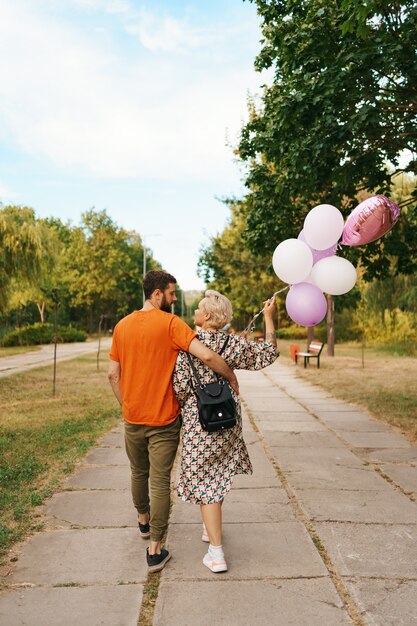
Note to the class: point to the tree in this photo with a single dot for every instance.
(342, 105)
(35, 287)
(230, 267)
(22, 243)
(103, 267)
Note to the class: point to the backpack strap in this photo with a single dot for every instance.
(194, 370)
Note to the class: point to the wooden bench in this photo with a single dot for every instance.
(314, 351)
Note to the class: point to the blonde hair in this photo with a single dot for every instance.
(219, 307)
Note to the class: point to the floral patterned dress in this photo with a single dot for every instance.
(209, 461)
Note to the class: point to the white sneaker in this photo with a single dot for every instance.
(215, 564)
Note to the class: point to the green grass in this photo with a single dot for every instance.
(41, 437)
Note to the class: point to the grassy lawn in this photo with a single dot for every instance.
(17, 350)
(42, 437)
(386, 386)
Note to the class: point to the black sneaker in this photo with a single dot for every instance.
(156, 562)
(144, 530)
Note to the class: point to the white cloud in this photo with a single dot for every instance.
(109, 6)
(6, 194)
(78, 103)
(164, 33)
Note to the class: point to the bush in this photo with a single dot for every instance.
(394, 327)
(36, 334)
(293, 331)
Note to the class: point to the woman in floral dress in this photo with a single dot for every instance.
(210, 460)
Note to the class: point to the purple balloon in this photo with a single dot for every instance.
(371, 219)
(318, 254)
(306, 304)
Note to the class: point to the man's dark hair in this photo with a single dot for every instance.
(156, 279)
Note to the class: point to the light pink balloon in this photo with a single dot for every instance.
(318, 254)
(306, 305)
(371, 219)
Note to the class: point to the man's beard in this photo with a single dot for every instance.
(165, 306)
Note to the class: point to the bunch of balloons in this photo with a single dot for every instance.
(309, 263)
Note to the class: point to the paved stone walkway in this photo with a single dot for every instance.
(65, 351)
(324, 532)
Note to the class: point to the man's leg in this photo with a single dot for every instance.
(162, 446)
(137, 451)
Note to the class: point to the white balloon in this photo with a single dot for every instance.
(323, 226)
(292, 261)
(334, 275)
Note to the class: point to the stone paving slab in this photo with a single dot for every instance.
(261, 465)
(288, 427)
(278, 602)
(72, 606)
(290, 552)
(256, 480)
(353, 415)
(102, 477)
(83, 557)
(259, 405)
(355, 424)
(254, 496)
(375, 440)
(371, 549)
(328, 477)
(266, 392)
(330, 406)
(403, 475)
(386, 506)
(299, 439)
(113, 438)
(107, 456)
(283, 416)
(185, 513)
(310, 460)
(250, 436)
(309, 394)
(394, 455)
(91, 508)
(385, 602)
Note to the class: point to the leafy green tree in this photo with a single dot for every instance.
(103, 267)
(37, 287)
(227, 265)
(341, 106)
(22, 246)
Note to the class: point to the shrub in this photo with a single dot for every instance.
(36, 334)
(293, 331)
(393, 327)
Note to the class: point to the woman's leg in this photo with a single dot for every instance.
(212, 518)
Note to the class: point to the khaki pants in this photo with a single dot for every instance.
(151, 451)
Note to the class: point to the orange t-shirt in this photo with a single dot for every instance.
(146, 344)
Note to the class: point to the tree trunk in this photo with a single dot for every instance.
(41, 309)
(330, 326)
(90, 321)
(310, 336)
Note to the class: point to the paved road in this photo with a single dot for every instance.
(65, 351)
(323, 534)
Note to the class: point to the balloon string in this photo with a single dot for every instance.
(251, 326)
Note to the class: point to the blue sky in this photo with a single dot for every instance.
(127, 106)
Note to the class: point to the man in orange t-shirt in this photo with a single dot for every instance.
(142, 358)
